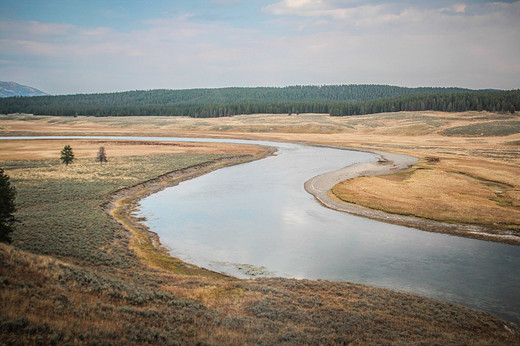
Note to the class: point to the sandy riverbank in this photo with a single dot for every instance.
(145, 243)
(389, 163)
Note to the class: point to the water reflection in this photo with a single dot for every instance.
(259, 214)
(241, 219)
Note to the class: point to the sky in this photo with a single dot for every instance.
(76, 46)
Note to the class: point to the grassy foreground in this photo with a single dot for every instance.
(72, 276)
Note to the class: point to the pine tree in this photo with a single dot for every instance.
(7, 207)
(102, 155)
(66, 155)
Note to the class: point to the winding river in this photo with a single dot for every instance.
(256, 219)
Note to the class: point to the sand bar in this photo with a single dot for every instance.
(389, 163)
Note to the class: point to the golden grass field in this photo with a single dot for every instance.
(475, 181)
(437, 193)
(49, 149)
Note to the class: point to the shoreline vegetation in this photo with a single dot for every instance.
(53, 295)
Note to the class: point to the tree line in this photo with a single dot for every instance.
(336, 100)
(491, 101)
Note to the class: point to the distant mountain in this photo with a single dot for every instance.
(9, 89)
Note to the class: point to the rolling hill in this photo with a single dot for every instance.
(335, 100)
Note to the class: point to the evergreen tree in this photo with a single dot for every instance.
(332, 99)
(102, 155)
(66, 155)
(7, 207)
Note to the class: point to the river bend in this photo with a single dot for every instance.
(256, 219)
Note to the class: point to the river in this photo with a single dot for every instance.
(256, 219)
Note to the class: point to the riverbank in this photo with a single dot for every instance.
(146, 244)
(322, 188)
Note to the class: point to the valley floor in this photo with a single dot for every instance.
(72, 274)
(468, 162)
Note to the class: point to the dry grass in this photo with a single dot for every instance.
(45, 301)
(439, 193)
(49, 149)
(420, 134)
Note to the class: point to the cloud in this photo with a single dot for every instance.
(464, 44)
(375, 14)
(297, 42)
(458, 8)
(169, 53)
(317, 8)
(226, 3)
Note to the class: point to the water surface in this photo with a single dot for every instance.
(256, 218)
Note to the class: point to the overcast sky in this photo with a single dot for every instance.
(65, 46)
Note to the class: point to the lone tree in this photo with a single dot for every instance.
(66, 155)
(7, 207)
(102, 155)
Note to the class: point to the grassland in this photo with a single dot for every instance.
(447, 192)
(477, 150)
(61, 205)
(486, 129)
(75, 275)
(49, 301)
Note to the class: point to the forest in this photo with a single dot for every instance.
(336, 100)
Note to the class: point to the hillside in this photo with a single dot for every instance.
(213, 102)
(337, 100)
(11, 89)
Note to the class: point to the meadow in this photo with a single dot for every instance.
(476, 157)
(73, 274)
